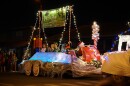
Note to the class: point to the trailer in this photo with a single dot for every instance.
(52, 64)
(46, 63)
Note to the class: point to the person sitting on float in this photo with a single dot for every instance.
(43, 49)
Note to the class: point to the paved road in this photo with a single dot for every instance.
(18, 79)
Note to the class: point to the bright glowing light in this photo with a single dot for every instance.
(95, 34)
(52, 57)
(34, 38)
(124, 38)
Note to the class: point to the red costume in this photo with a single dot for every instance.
(89, 53)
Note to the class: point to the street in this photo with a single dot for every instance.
(19, 79)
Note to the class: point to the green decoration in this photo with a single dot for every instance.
(54, 17)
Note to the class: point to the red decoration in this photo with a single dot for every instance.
(90, 53)
(37, 43)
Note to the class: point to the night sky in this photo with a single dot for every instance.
(22, 13)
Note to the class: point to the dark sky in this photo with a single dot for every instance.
(22, 13)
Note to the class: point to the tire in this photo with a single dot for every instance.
(36, 68)
(27, 68)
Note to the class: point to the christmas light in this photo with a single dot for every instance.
(95, 34)
(29, 42)
(68, 18)
(61, 38)
(78, 34)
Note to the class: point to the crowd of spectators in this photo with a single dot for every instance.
(8, 61)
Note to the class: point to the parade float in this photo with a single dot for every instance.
(116, 63)
(57, 63)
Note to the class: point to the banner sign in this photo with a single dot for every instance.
(54, 17)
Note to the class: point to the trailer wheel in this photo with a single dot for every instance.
(36, 69)
(27, 68)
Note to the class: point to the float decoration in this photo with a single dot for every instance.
(59, 60)
(116, 38)
(95, 34)
(124, 38)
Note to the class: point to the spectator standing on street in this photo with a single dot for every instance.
(1, 57)
(14, 62)
(2, 62)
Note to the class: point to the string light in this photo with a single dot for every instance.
(39, 28)
(61, 38)
(29, 42)
(69, 19)
(45, 36)
(75, 25)
(70, 25)
(95, 34)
